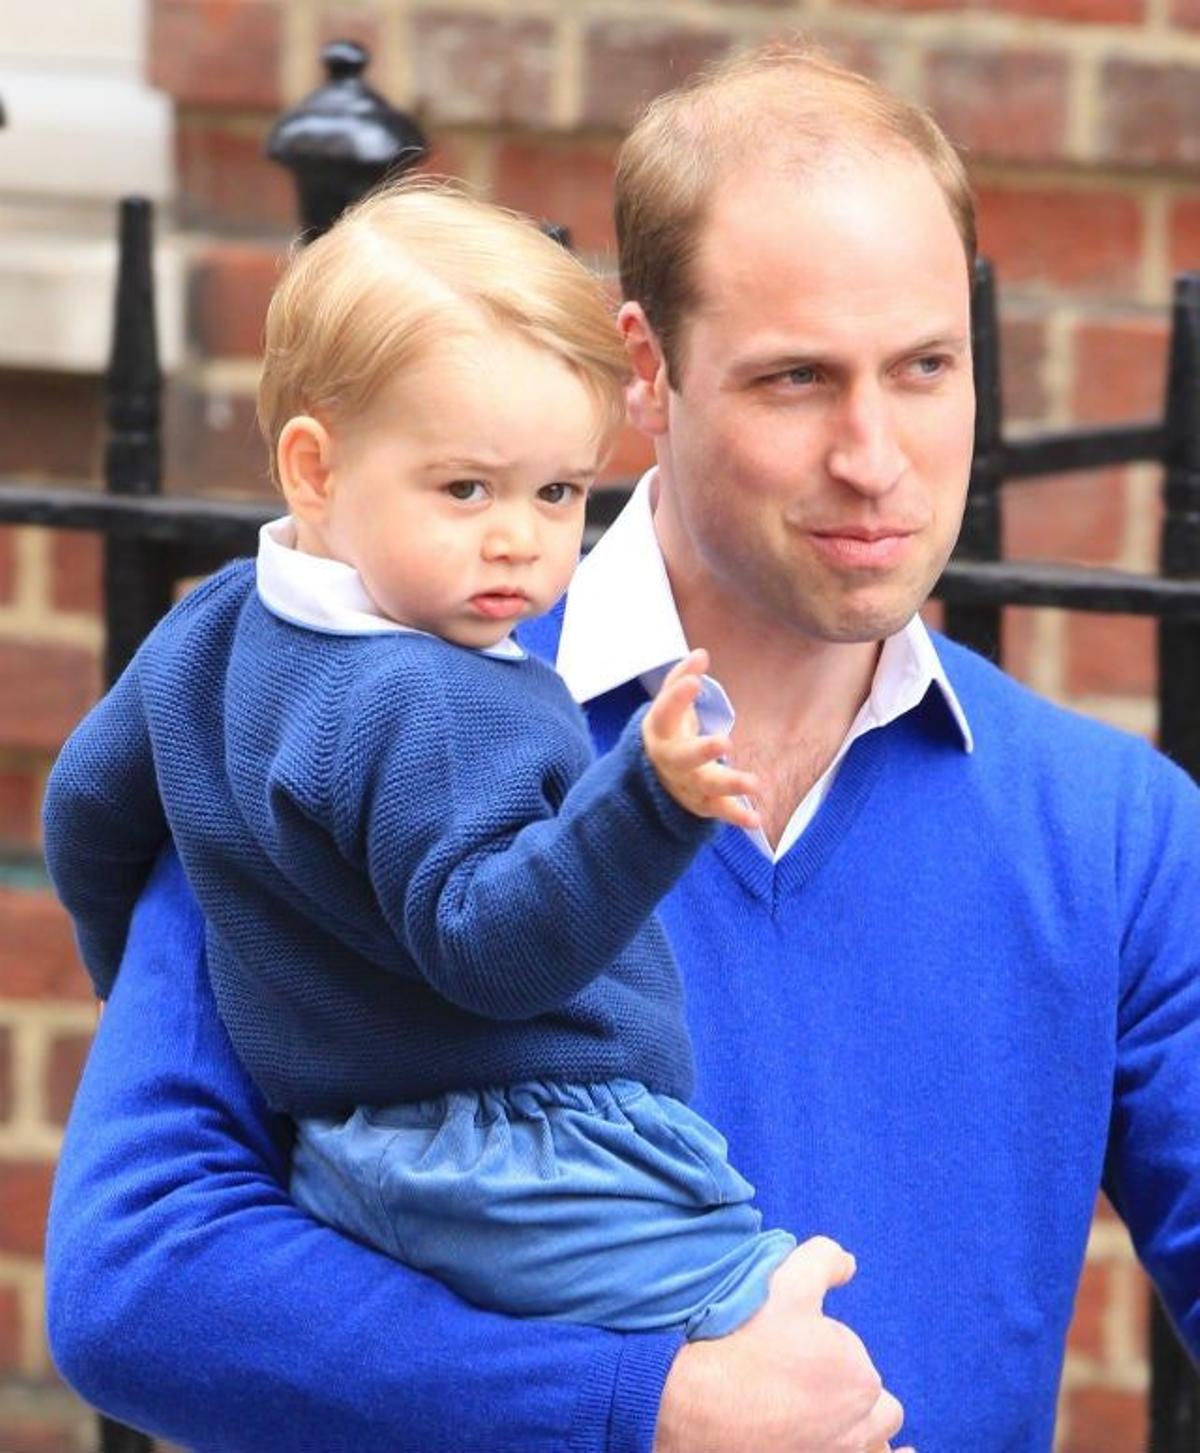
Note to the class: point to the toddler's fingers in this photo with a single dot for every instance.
(667, 717)
(718, 781)
(689, 754)
(695, 663)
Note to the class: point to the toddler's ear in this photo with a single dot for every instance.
(302, 462)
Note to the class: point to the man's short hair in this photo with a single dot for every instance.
(413, 262)
(785, 103)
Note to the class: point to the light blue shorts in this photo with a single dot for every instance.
(603, 1204)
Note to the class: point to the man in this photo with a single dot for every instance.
(950, 988)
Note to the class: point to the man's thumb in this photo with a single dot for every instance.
(815, 1266)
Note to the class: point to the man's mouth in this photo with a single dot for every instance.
(861, 548)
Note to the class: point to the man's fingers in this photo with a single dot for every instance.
(815, 1266)
(883, 1422)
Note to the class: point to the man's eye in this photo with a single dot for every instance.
(801, 377)
(466, 490)
(931, 365)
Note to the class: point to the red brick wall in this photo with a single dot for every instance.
(1082, 123)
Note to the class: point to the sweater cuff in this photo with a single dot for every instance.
(618, 1405)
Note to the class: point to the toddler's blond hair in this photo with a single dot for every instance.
(412, 262)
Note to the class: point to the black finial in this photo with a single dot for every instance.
(343, 139)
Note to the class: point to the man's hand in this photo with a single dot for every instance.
(791, 1380)
(687, 763)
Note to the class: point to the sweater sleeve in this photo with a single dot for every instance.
(1153, 1168)
(509, 903)
(103, 825)
(188, 1296)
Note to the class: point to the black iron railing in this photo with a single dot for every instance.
(345, 138)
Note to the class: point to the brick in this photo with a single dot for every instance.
(1070, 517)
(44, 690)
(24, 1201)
(224, 179)
(1010, 105)
(1104, 1420)
(569, 183)
(632, 455)
(1110, 656)
(1150, 114)
(1017, 627)
(1120, 370)
(1186, 13)
(345, 22)
(1097, 12)
(62, 419)
(1086, 1336)
(77, 571)
(8, 564)
(230, 288)
(1184, 225)
(20, 787)
(10, 1330)
(64, 1065)
(1022, 368)
(216, 52)
(38, 958)
(1085, 240)
(628, 62)
(7, 1090)
(213, 446)
(913, 7)
(54, 1432)
(473, 67)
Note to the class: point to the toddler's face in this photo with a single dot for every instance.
(460, 499)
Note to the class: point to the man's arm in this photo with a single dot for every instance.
(1152, 1174)
(188, 1296)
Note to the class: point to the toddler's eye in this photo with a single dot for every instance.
(558, 492)
(466, 490)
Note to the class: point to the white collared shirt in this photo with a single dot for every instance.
(326, 595)
(621, 624)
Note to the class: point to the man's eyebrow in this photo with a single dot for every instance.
(797, 356)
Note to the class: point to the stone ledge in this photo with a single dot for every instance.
(56, 299)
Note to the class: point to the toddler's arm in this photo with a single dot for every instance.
(103, 825)
(689, 765)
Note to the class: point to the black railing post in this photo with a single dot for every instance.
(137, 578)
(1179, 644)
(978, 626)
(342, 140)
(1175, 1385)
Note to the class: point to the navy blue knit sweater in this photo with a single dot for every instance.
(415, 877)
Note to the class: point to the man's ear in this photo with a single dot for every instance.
(303, 460)
(646, 394)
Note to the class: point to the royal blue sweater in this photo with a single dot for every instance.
(965, 998)
(415, 876)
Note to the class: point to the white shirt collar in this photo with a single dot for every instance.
(326, 595)
(621, 624)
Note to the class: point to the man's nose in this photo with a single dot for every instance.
(511, 535)
(864, 451)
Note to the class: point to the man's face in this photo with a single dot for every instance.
(814, 459)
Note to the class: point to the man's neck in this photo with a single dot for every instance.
(795, 697)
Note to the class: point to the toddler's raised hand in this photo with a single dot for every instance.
(688, 764)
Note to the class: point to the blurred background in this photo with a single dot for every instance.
(1080, 120)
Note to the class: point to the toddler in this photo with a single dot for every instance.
(429, 910)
